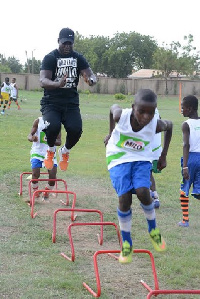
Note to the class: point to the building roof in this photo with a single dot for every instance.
(145, 73)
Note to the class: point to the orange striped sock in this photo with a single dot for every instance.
(185, 207)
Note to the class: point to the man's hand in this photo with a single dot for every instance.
(90, 80)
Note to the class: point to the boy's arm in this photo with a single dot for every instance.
(115, 114)
(58, 139)
(166, 126)
(186, 148)
(0, 90)
(32, 137)
(16, 90)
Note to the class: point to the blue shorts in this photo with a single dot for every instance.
(130, 176)
(194, 173)
(36, 163)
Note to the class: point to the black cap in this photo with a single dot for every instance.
(66, 35)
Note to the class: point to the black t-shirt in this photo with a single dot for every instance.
(71, 65)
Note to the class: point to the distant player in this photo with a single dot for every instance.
(38, 152)
(5, 94)
(190, 162)
(13, 93)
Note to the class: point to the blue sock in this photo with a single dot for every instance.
(125, 221)
(126, 236)
(150, 214)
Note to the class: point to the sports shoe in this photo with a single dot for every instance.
(19, 108)
(156, 203)
(183, 224)
(157, 240)
(2, 112)
(45, 195)
(125, 256)
(48, 161)
(155, 197)
(64, 160)
(37, 195)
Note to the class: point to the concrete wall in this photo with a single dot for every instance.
(111, 86)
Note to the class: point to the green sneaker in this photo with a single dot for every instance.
(157, 240)
(125, 256)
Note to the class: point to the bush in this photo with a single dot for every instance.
(87, 91)
(120, 96)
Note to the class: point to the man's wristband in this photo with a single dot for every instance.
(185, 167)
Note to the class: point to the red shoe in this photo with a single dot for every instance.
(64, 160)
(48, 161)
(46, 194)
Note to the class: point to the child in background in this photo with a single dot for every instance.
(38, 151)
(190, 162)
(156, 149)
(13, 94)
(129, 160)
(4, 94)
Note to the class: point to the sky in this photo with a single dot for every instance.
(31, 28)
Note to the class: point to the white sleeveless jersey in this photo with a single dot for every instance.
(157, 141)
(194, 139)
(125, 145)
(39, 148)
(5, 88)
(13, 90)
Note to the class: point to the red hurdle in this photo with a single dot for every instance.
(152, 292)
(111, 252)
(21, 180)
(72, 259)
(165, 292)
(47, 180)
(76, 210)
(32, 202)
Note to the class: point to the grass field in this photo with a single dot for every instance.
(31, 265)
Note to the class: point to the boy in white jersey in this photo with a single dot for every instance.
(14, 94)
(190, 162)
(4, 94)
(38, 151)
(129, 160)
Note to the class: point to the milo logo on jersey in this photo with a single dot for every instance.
(43, 137)
(132, 143)
(67, 67)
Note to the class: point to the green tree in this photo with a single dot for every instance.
(175, 57)
(93, 48)
(165, 60)
(128, 51)
(4, 68)
(117, 56)
(32, 66)
(14, 65)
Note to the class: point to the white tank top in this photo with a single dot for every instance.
(194, 139)
(125, 145)
(13, 90)
(39, 148)
(5, 88)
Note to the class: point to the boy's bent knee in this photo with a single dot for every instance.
(143, 194)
